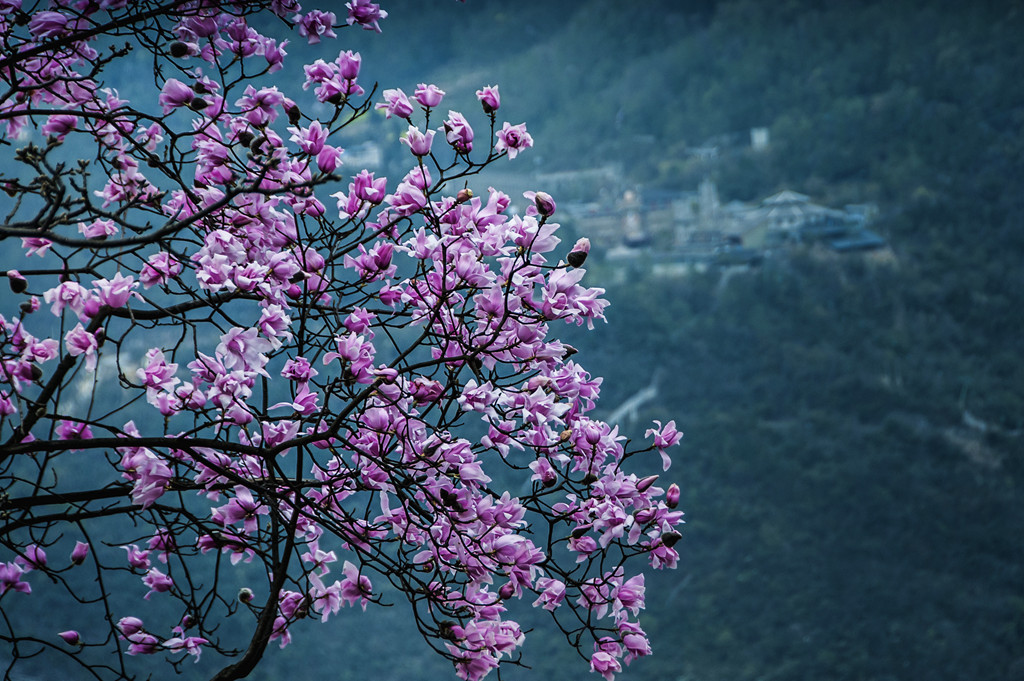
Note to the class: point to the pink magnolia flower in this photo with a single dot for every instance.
(73, 430)
(428, 95)
(35, 245)
(189, 644)
(664, 437)
(159, 268)
(175, 94)
(116, 291)
(241, 508)
(10, 579)
(138, 560)
(349, 63)
(79, 342)
(513, 139)
(243, 349)
(366, 14)
(458, 132)
(129, 626)
(418, 142)
(98, 229)
(316, 24)
(79, 553)
(396, 103)
(59, 125)
(489, 98)
(355, 587)
(157, 582)
(34, 558)
(46, 24)
(605, 663)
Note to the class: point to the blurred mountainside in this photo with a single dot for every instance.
(854, 459)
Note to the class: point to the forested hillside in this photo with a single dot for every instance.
(853, 455)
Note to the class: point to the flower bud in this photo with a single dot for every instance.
(71, 637)
(464, 195)
(672, 496)
(578, 255)
(16, 281)
(645, 515)
(506, 591)
(245, 595)
(545, 204)
(645, 484)
(79, 553)
(179, 49)
(669, 539)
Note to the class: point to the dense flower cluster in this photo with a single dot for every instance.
(297, 382)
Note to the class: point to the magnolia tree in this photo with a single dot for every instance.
(244, 385)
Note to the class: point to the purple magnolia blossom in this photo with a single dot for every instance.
(396, 103)
(10, 579)
(513, 139)
(59, 125)
(349, 63)
(80, 342)
(116, 291)
(175, 94)
(241, 508)
(79, 553)
(458, 132)
(418, 142)
(489, 98)
(428, 95)
(316, 24)
(159, 269)
(98, 229)
(366, 14)
(664, 437)
(188, 644)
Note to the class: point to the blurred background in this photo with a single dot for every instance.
(808, 219)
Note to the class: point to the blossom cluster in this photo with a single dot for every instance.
(301, 382)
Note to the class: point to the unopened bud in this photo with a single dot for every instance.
(294, 115)
(672, 496)
(71, 637)
(506, 591)
(669, 539)
(179, 49)
(645, 483)
(581, 530)
(245, 138)
(565, 435)
(16, 281)
(464, 195)
(578, 255)
(245, 595)
(545, 204)
(589, 479)
(445, 629)
(645, 515)
(198, 104)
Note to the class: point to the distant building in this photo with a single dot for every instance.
(759, 139)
